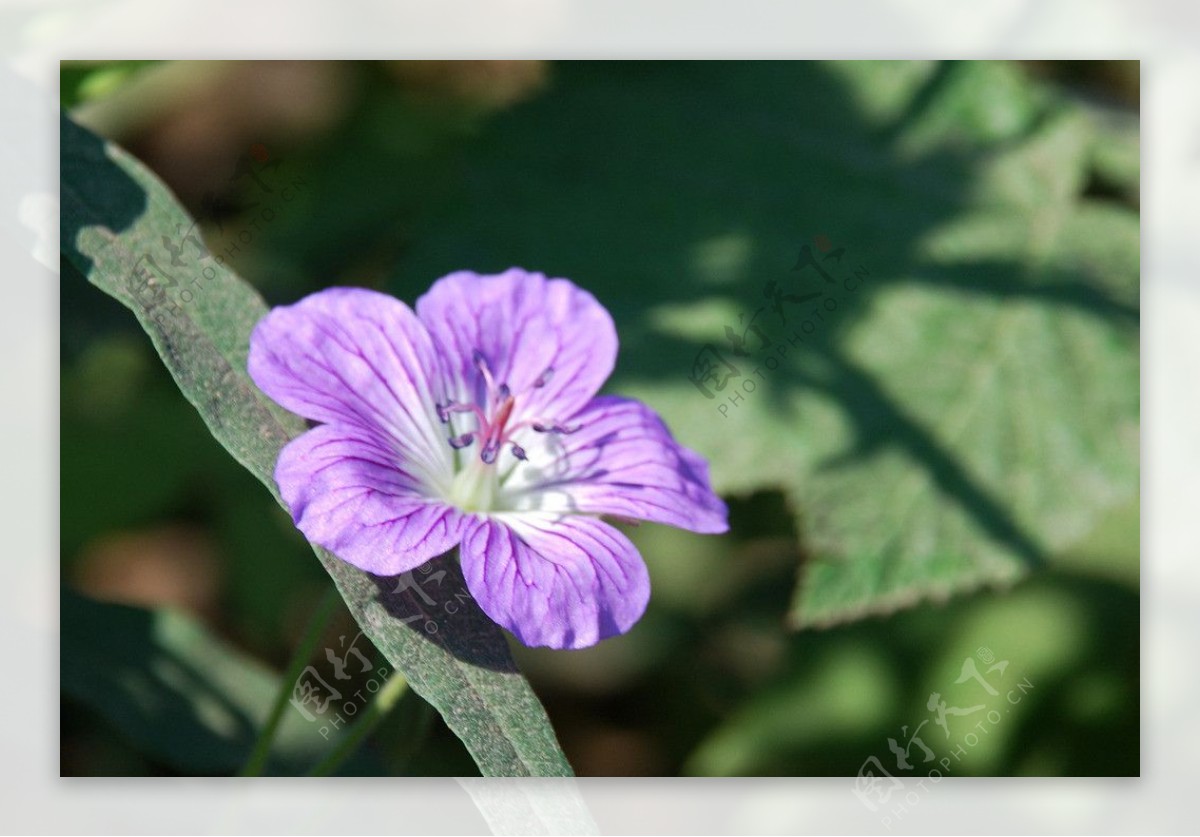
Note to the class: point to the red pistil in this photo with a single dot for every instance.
(494, 433)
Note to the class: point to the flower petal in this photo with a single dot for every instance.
(358, 358)
(523, 324)
(565, 583)
(349, 492)
(622, 461)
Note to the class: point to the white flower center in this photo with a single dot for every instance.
(476, 487)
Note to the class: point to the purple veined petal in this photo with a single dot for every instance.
(622, 460)
(562, 583)
(359, 358)
(349, 492)
(522, 324)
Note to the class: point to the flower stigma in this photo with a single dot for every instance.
(476, 487)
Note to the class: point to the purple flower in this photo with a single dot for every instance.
(475, 423)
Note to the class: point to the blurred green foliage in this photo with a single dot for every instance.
(180, 694)
(970, 414)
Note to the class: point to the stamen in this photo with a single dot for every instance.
(553, 427)
(488, 454)
(492, 416)
(481, 364)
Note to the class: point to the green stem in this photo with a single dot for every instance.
(303, 653)
(375, 712)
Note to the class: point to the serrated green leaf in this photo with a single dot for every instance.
(969, 404)
(116, 214)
